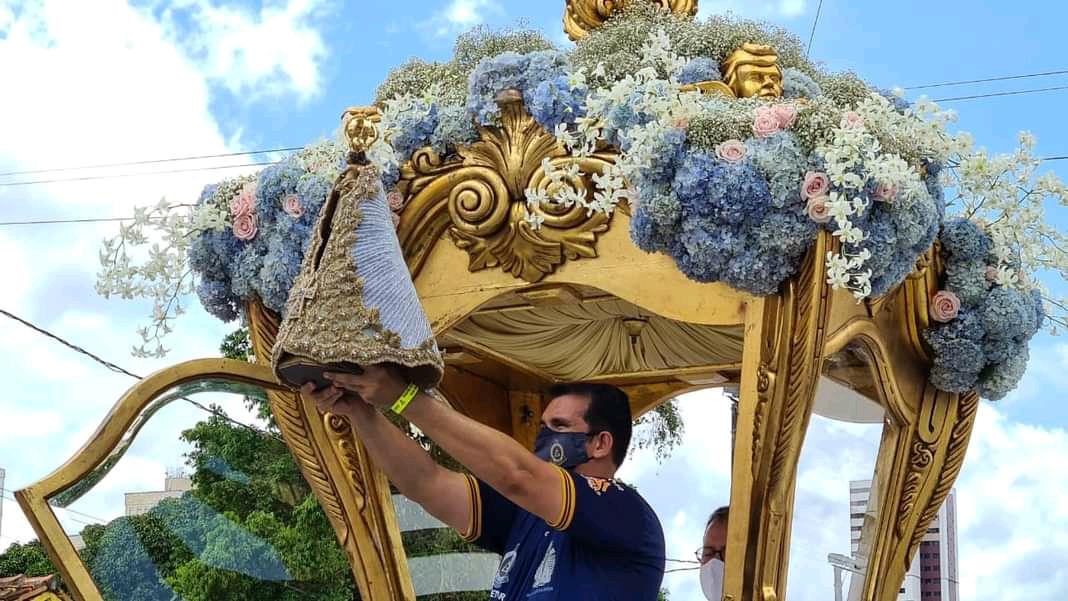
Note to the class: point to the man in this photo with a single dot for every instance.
(712, 554)
(566, 529)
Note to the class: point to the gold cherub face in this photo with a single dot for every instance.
(753, 70)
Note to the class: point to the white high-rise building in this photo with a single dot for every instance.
(933, 575)
(175, 485)
(3, 493)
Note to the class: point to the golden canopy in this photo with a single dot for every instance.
(516, 309)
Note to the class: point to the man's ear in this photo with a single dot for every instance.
(601, 445)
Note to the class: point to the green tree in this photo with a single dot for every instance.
(29, 559)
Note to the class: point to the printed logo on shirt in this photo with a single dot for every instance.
(544, 575)
(505, 568)
(599, 485)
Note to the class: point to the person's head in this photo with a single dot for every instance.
(753, 70)
(714, 543)
(598, 411)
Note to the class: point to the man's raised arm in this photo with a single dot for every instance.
(443, 493)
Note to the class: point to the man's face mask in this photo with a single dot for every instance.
(566, 449)
(712, 580)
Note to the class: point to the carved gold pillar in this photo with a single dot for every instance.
(781, 362)
(918, 464)
(354, 494)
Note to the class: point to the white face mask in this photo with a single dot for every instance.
(712, 580)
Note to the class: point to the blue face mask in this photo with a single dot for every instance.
(566, 449)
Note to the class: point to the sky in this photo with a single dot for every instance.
(113, 81)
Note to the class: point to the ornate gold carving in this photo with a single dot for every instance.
(753, 70)
(360, 126)
(583, 16)
(480, 200)
(967, 407)
(329, 457)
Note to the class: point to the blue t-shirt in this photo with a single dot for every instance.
(607, 544)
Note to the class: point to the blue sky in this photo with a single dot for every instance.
(118, 81)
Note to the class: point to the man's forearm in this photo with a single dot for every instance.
(492, 456)
(406, 463)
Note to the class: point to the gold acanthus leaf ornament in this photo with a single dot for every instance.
(479, 199)
(583, 16)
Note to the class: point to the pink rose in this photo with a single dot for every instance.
(245, 227)
(245, 201)
(852, 120)
(818, 210)
(731, 151)
(785, 113)
(885, 192)
(944, 306)
(682, 123)
(816, 184)
(765, 122)
(291, 205)
(991, 274)
(395, 200)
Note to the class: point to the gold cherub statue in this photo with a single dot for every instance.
(753, 70)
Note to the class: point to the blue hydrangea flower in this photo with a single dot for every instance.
(900, 104)
(963, 240)
(455, 128)
(1000, 379)
(508, 71)
(554, 101)
(949, 380)
(273, 184)
(781, 160)
(699, 69)
(999, 350)
(796, 84)
(967, 279)
(961, 355)
(414, 128)
(1007, 313)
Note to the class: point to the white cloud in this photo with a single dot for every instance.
(786, 9)
(461, 15)
(99, 82)
(270, 51)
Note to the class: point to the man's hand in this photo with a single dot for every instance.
(335, 400)
(378, 385)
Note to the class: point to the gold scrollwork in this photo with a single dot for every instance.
(583, 16)
(479, 199)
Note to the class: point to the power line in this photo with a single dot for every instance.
(993, 94)
(121, 370)
(986, 80)
(57, 221)
(152, 161)
(812, 34)
(95, 519)
(124, 175)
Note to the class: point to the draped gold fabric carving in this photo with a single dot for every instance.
(579, 341)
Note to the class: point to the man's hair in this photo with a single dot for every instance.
(609, 411)
(720, 515)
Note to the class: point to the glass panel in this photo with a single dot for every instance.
(836, 502)
(443, 567)
(680, 462)
(202, 500)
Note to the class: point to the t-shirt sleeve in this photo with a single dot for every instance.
(491, 517)
(607, 514)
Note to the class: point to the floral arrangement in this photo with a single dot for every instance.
(734, 190)
(984, 317)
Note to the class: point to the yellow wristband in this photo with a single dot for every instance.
(405, 399)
